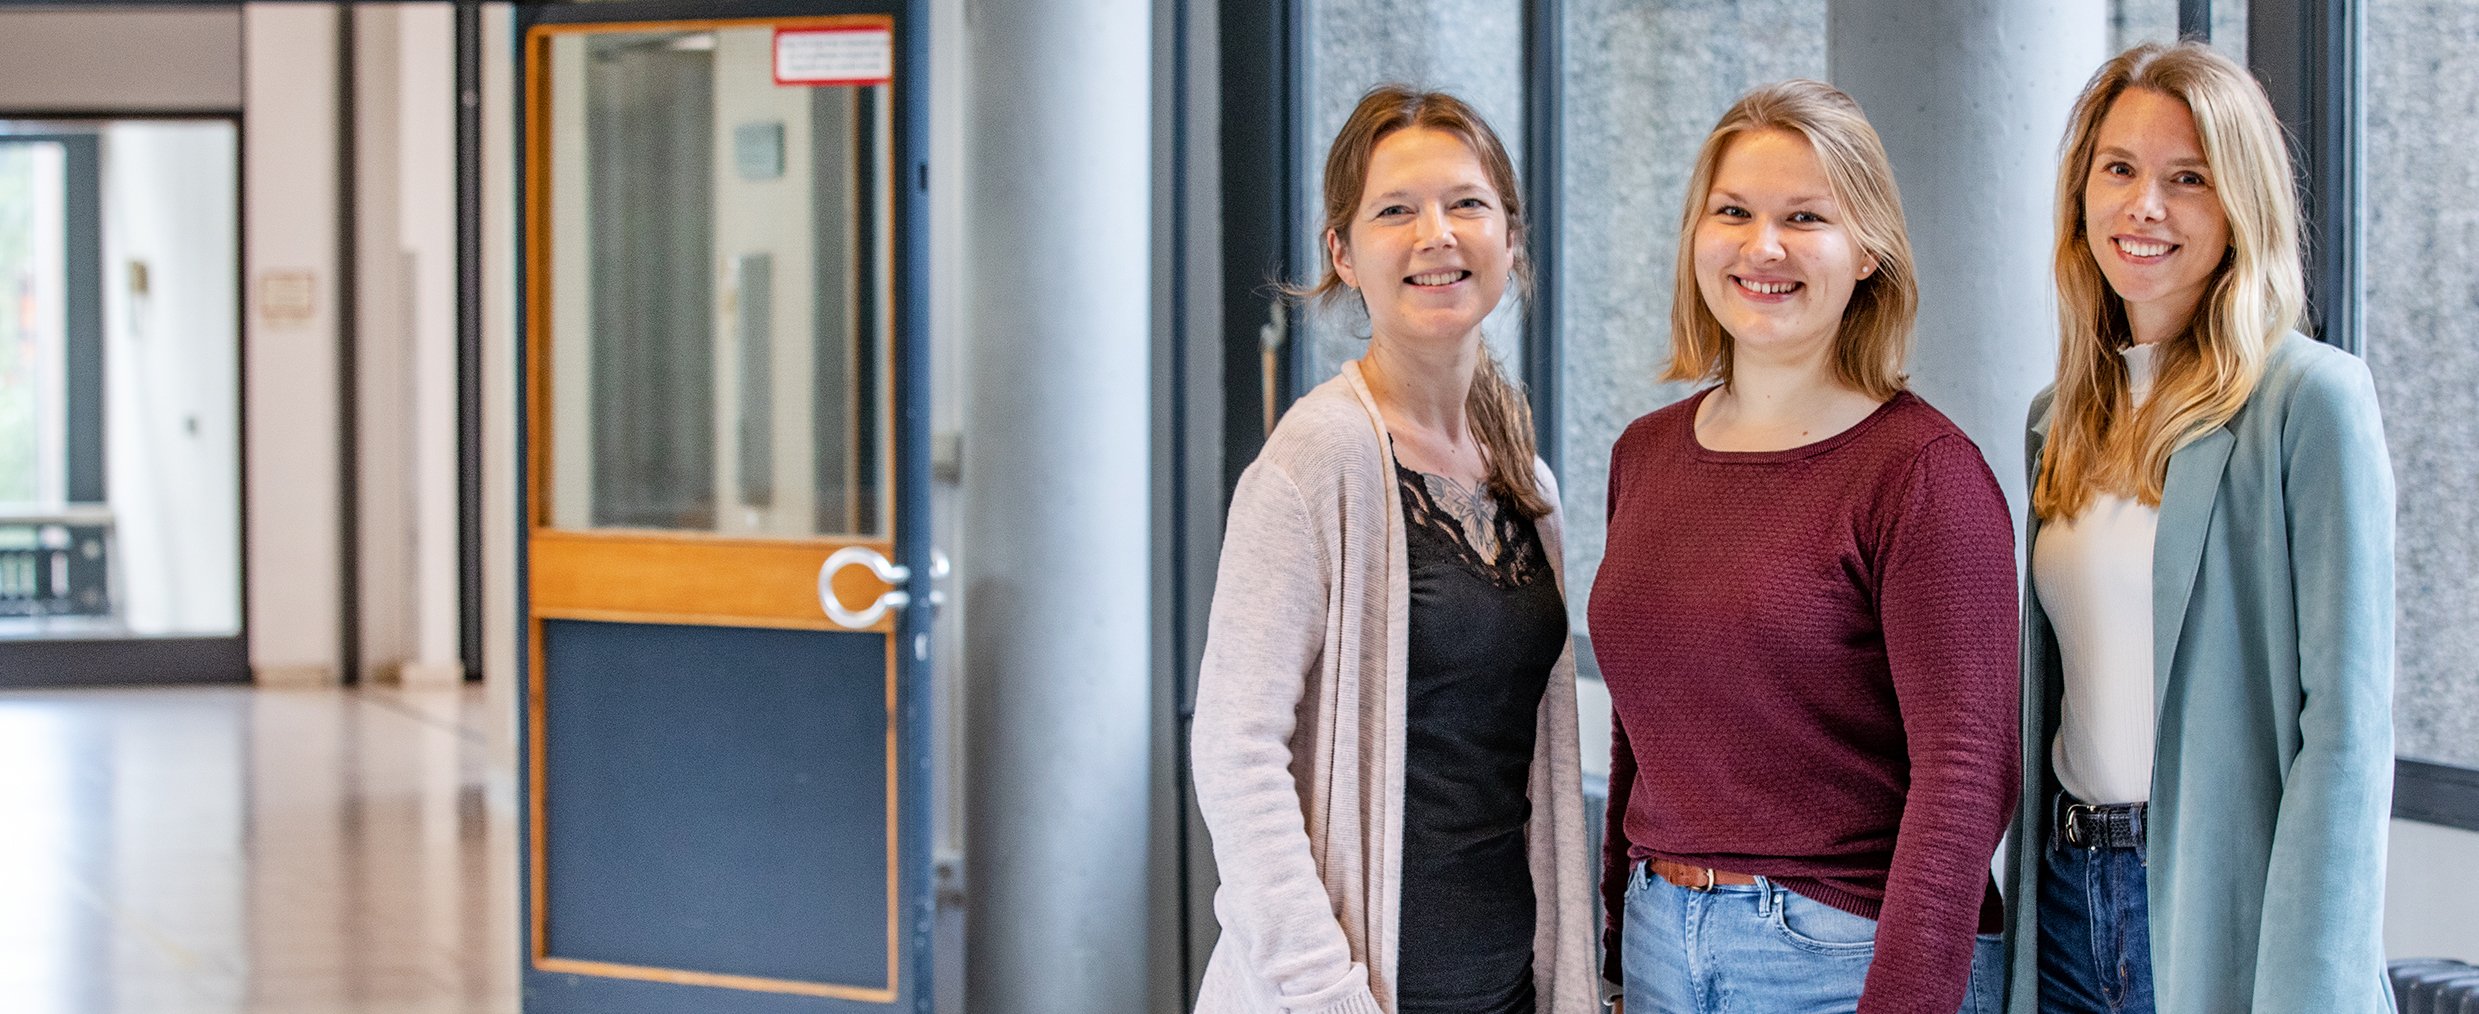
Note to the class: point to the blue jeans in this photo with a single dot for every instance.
(2095, 930)
(1761, 949)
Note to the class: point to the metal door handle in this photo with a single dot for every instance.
(889, 571)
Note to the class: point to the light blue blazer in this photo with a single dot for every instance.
(2272, 780)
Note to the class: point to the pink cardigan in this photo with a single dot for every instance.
(1299, 736)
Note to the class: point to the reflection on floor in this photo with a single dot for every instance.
(229, 850)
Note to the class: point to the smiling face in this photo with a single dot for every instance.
(1428, 247)
(1776, 261)
(2150, 213)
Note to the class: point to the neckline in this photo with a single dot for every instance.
(1397, 461)
(2142, 370)
(1806, 450)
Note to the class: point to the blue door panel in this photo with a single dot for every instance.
(717, 801)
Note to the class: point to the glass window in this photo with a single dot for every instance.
(2421, 309)
(31, 342)
(1472, 48)
(2133, 22)
(721, 259)
(1644, 83)
(120, 470)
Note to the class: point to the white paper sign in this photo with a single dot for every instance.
(287, 298)
(834, 56)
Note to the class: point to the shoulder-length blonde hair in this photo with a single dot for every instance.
(2098, 440)
(1875, 337)
(1501, 416)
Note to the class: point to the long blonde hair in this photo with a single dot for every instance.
(2100, 441)
(1875, 336)
(1499, 413)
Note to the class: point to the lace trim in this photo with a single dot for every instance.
(1521, 561)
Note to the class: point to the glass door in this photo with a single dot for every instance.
(120, 470)
(726, 779)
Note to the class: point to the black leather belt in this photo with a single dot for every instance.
(2103, 826)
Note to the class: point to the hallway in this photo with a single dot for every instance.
(229, 850)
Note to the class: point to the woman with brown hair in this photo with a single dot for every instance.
(2207, 656)
(1385, 738)
(1805, 615)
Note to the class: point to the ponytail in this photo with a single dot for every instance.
(1501, 417)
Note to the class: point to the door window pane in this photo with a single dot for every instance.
(720, 301)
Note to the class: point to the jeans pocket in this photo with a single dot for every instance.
(1988, 975)
(1815, 926)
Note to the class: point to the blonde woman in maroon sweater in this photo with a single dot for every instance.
(1805, 614)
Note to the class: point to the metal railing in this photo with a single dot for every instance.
(55, 560)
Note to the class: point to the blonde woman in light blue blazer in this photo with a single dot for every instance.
(2208, 638)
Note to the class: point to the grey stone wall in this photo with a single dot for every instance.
(2421, 135)
(1472, 48)
(1644, 83)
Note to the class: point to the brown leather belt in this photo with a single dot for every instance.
(1695, 878)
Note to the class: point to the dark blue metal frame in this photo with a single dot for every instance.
(2307, 57)
(469, 448)
(910, 372)
(1262, 72)
(1544, 173)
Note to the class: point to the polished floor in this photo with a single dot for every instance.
(231, 850)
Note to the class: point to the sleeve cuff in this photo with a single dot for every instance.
(1359, 1001)
(1350, 995)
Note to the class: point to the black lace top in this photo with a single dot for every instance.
(1487, 624)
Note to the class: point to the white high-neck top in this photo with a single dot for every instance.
(2093, 574)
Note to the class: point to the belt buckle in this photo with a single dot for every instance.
(2073, 827)
(1708, 882)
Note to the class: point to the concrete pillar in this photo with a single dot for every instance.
(426, 226)
(1971, 97)
(404, 191)
(290, 202)
(1055, 517)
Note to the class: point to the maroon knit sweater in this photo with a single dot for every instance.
(1812, 663)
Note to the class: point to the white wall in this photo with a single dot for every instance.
(2431, 893)
(290, 368)
(383, 344)
(405, 343)
(426, 223)
(158, 59)
(171, 381)
(500, 385)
